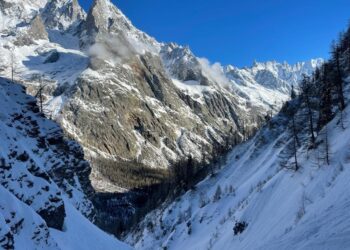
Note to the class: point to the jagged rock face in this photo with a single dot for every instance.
(182, 64)
(126, 108)
(277, 80)
(62, 14)
(104, 18)
(37, 29)
(40, 171)
(34, 32)
(14, 12)
(130, 100)
(146, 119)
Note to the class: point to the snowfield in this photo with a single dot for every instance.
(80, 233)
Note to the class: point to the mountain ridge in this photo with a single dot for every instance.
(138, 107)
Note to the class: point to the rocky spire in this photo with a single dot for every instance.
(104, 18)
(63, 14)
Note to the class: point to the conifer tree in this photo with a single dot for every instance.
(306, 87)
(293, 94)
(338, 78)
(325, 107)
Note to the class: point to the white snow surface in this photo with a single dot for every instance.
(308, 209)
(269, 84)
(27, 185)
(18, 11)
(80, 233)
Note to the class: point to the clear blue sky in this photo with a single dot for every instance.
(237, 32)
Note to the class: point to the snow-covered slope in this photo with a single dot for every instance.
(282, 208)
(44, 181)
(14, 12)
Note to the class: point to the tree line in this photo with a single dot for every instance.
(321, 97)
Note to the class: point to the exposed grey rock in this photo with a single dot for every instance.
(182, 64)
(52, 57)
(18, 13)
(35, 31)
(52, 165)
(105, 18)
(62, 14)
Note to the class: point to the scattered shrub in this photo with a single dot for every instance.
(239, 227)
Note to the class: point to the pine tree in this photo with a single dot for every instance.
(325, 150)
(293, 94)
(217, 195)
(326, 145)
(295, 144)
(306, 93)
(325, 107)
(338, 78)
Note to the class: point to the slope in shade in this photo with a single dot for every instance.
(44, 185)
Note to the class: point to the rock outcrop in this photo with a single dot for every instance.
(41, 172)
(62, 14)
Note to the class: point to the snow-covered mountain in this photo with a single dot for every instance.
(285, 188)
(44, 181)
(15, 12)
(137, 106)
(276, 191)
(62, 15)
(127, 98)
(269, 84)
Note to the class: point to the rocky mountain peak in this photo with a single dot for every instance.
(181, 63)
(62, 14)
(105, 19)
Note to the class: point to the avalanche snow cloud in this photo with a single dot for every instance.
(113, 48)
